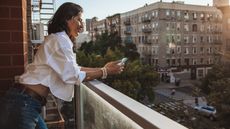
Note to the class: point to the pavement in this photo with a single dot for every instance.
(165, 89)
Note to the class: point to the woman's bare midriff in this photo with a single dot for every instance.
(39, 88)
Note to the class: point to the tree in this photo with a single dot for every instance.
(217, 86)
(137, 81)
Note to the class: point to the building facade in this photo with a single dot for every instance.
(175, 35)
(110, 25)
(113, 24)
(224, 6)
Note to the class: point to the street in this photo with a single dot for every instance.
(181, 94)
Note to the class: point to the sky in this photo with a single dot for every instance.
(104, 8)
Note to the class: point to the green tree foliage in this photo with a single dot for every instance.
(130, 51)
(217, 86)
(137, 80)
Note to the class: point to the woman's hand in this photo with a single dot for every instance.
(113, 67)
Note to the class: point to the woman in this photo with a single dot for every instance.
(54, 70)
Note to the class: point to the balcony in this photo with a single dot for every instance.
(127, 22)
(146, 19)
(128, 40)
(148, 41)
(147, 30)
(128, 32)
(102, 107)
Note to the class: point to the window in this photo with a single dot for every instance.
(174, 62)
(200, 73)
(194, 50)
(186, 16)
(167, 26)
(178, 13)
(156, 39)
(201, 60)
(209, 28)
(178, 26)
(186, 60)
(201, 50)
(208, 50)
(178, 49)
(153, 39)
(208, 17)
(209, 39)
(173, 39)
(194, 61)
(168, 38)
(186, 51)
(172, 50)
(153, 14)
(186, 27)
(194, 16)
(168, 61)
(153, 26)
(186, 39)
(173, 25)
(179, 61)
(173, 13)
(167, 12)
(202, 28)
(167, 50)
(194, 27)
(201, 39)
(178, 38)
(194, 38)
(202, 16)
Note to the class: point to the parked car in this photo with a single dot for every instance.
(206, 110)
(151, 105)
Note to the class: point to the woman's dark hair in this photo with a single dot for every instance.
(64, 13)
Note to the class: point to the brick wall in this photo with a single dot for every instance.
(13, 41)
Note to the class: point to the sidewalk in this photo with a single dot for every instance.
(183, 83)
(165, 89)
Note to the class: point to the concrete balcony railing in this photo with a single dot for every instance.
(102, 107)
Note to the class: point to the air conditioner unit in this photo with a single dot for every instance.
(37, 33)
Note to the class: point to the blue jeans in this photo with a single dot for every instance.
(20, 111)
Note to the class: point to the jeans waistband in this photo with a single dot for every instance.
(31, 93)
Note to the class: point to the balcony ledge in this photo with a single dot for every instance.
(142, 115)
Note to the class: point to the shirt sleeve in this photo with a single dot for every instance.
(62, 61)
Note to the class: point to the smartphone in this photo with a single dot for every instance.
(122, 61)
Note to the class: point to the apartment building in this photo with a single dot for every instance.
(96, 27)
(175, 35)
(224, 6)
(113, 23)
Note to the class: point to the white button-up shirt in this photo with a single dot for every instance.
(55, 66)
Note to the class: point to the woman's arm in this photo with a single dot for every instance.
(92, 73)
(110, 69)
